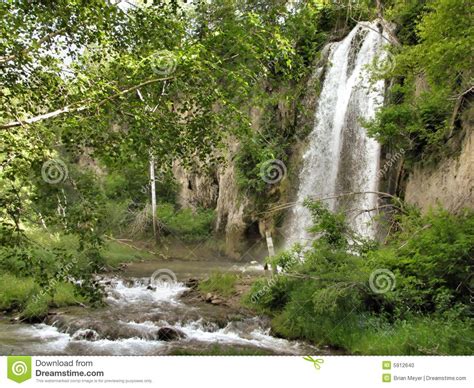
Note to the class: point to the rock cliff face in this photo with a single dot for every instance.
(231, 208)
(195, 188)
(450, 183)
(218, 190)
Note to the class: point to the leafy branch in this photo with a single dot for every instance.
(36, 44)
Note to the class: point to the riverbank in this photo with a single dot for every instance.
(29, 297)
(140, 317)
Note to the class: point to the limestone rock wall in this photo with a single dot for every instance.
(450, 183)
(195, 188)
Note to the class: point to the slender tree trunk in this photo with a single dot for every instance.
(379, 8)
(271, 248)
(153, 196)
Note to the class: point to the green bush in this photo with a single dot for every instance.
(186, 224)
(66, 295)
(432, 69)
(16, 292)
(36, 308)
(431, 257)
(22, 294)
(49, 271)
(329, 297)
(220, 283)
(117, 217)
(416, 335)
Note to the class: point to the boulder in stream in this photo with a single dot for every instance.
(170, 334)
(86, 335)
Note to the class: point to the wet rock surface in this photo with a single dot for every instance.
(170, 334)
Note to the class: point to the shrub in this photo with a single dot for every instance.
(36, 308)
(327, 297)
(438, 51)
(187, 224)
(15, 292)
(24, 295)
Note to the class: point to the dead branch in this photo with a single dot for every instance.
(83, 105)
(121, 241)
(336, 196)
(414, 234)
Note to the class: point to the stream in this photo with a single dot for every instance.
(143, 317)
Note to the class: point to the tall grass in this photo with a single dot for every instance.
(219, 283)
(22, 295)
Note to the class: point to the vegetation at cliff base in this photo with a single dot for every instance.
(409, 295)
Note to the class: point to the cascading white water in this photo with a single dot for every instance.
(340, 157)
(129, 325)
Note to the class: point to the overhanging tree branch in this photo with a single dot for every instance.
(79, 106)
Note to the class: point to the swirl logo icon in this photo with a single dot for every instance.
(273, 171)
(163, 62)
(382, 281)
(384, 63)
(19, 368)
(163, 278)
(54, 171)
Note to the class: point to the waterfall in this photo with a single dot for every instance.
(340, 157)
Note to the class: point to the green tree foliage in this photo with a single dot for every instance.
(101, 88)
(433, 67)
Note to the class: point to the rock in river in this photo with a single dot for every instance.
(170, 334)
